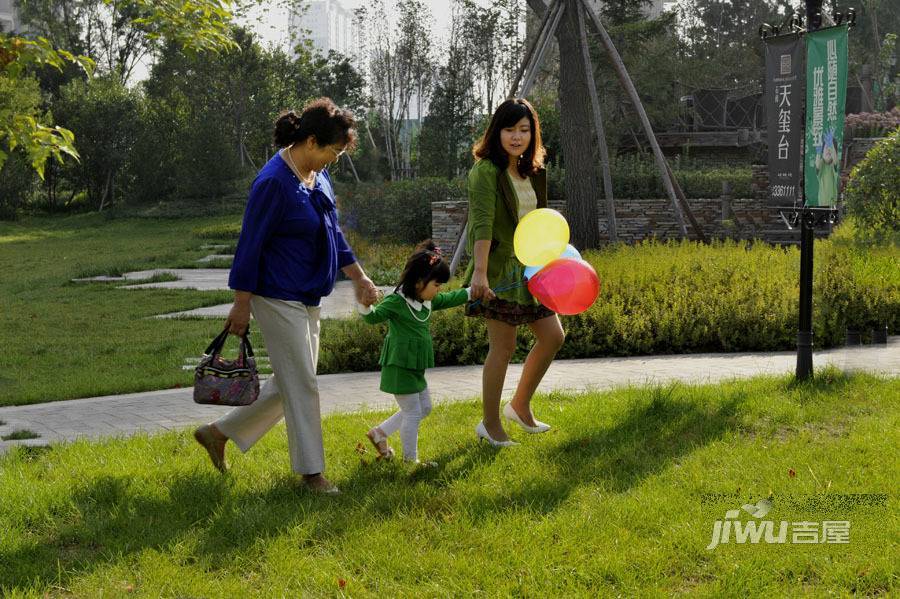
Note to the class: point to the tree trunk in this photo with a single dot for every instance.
(582, 171)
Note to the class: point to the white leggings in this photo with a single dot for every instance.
(413, 408)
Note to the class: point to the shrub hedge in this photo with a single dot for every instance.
(399, 211)
(873, 192)
(676, 298)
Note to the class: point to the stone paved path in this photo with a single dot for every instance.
(123, 415)
(340, 304)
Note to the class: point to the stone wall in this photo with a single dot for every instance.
(447, 222)
(636, 220)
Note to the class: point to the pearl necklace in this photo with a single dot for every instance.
(312, 174)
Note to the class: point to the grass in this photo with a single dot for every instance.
(618, 499)
(66, 340)
(96, 339)
(19, 435)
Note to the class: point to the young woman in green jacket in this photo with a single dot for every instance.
(408, 350)
(507, 181)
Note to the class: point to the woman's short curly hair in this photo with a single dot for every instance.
(321, 119)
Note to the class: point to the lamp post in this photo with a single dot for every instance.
(807, 236)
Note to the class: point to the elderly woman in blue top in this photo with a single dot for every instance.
(287, 259)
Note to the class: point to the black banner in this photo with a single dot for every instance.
(784, 97)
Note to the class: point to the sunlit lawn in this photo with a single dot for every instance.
(618, 499)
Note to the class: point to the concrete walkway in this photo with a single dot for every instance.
(171, 409)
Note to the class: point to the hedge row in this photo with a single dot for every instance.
(677, 298)
(401, 211)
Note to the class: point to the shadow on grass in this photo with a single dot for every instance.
(113, 519)
(650, 438)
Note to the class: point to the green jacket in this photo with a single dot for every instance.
(408, 342)
(494, 214)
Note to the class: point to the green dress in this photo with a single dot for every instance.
(408, 350)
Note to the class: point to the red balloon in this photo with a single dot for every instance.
(566, 286)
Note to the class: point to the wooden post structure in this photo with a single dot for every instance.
(598, 124)
(531, 73)
(535, 57)
(626, 82)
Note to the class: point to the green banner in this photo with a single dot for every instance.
(826, 94)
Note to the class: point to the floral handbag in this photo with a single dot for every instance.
(226, 382)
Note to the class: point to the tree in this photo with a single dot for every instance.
(447, 131)
(495, 44)
(720, 40)
(108, 32)
(398, 64)
(194, 25)
(582, 177)
(106, 113)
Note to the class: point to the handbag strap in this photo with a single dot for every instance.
(246, 349)
(215, 347)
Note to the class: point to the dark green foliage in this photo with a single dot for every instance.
(398, 211)
(17, 183)
(873, 193)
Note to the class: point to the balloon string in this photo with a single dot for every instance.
(502, 288)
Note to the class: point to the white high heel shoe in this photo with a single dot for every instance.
(482, 433)
(510, 414)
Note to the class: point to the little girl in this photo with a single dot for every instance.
(408, 349)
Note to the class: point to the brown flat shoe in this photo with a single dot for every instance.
(214, 447)
(320, 484)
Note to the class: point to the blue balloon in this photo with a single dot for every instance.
(571, 253)
(530, 271)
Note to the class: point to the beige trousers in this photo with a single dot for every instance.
(291, 332)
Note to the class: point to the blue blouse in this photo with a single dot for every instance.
(291, 245)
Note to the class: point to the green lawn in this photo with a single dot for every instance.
(618, 499)
(66, 340)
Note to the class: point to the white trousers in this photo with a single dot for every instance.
(291, 333)
(413, 408)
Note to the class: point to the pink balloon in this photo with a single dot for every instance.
(566, 286)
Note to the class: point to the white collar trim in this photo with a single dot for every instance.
(415, 304)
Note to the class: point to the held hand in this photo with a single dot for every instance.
(481, 290)
(238, 319)
(366, 292)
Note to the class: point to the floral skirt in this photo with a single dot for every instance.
(508, 312)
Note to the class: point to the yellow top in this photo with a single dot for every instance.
(524, 194)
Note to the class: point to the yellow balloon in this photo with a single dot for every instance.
(541, 236)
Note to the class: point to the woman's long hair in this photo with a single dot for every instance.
(508, 114)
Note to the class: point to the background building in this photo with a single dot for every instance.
(330, 27)
(9, 17)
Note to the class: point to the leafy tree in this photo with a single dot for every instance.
(399, 63)
(194, 25)
(492, 34)
(448, 130)
(107, 115)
